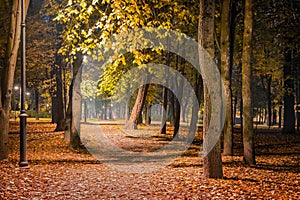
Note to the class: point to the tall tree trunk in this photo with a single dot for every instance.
(127, 107)
(279, 116)
(269, 106)
(7, 76)
(198, 88)
(72, 125)
(67, 132)
(7, 73)
(127, 112)
(178, 99)
(212, 164)
(226, 76)
(183, 111)
(248, 135)
(234, 110)
(138, 107)
(60, 111)
(165, 97)
(148, 114)
(274, 116)
(177, 116)
(288, 99)
(164, 111)
(37, 104)
(171, 111)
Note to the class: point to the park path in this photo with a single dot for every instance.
(57, 172)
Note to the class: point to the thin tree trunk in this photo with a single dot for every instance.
(183, 111)
(37, 104)
(148, 114)
(164, 111)
(72, 125)
(138, 107)
(165, 98)
(178, 99)
(226, 76)
(171, 108)
(212, 163)
(248, 135)
(60, 111)
(274, 116)
(127, 107)
(288, 99)
(280, 116)
(234, 110)
(177, 117)
(105, 110)
(269, 106)
(198, 88)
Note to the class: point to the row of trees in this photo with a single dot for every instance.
(253, 43)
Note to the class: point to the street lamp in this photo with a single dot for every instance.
(17, 89)
(23, 158)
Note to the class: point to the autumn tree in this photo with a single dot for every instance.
(212, 164)
(248, 134)
(226, 75)
(8, 70)
(41, 34)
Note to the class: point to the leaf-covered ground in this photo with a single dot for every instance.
(56, 172)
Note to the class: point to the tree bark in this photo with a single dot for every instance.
(288, 99)
(7, 76)
(148, 114)
(198, 88)
(234, 110)
(279, 116)
(177, 99)
(164, 111)
(212, 164)
(171, 111)
(60, 111)
(226, 76)
(176, 116)
(269, 106)
(138, 107)
(248, 135)
(72, 126)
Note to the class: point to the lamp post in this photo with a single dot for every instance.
(23, 158)
(17, 89)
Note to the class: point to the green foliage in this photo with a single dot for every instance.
(88, 88)
(88, 24)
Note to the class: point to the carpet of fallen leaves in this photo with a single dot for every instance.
(56, 172)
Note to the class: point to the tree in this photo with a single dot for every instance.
(164, 111)
(42, 60)
(92, 23)
(289, 97)
(7, 73)
(226, 76)
(212, 164)
(138, 106)
(57, 99)
(72, 122)
(248, 135)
